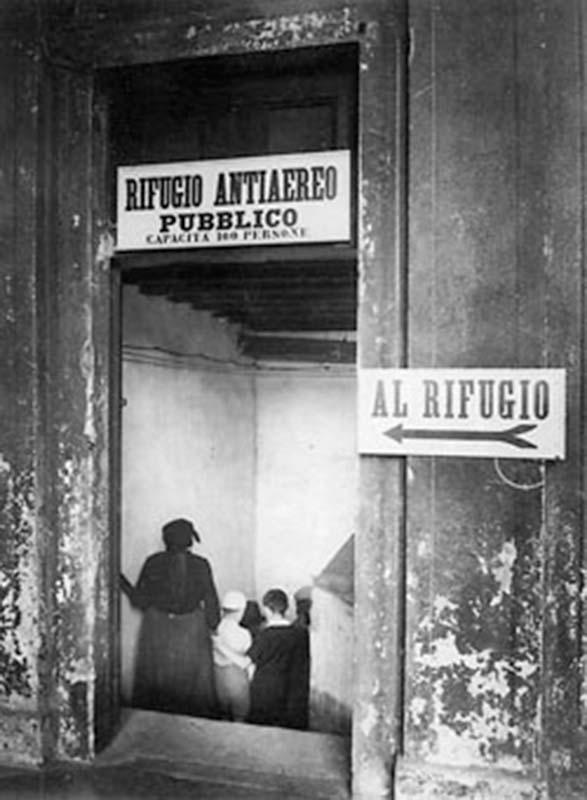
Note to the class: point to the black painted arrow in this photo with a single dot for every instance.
(509, 436)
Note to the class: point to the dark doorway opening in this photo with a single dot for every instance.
(243, 357)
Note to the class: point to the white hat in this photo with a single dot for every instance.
(234, 601)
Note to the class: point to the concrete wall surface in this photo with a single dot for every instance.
(20, 551)
(494, 671)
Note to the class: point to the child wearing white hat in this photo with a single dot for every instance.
(230, 644)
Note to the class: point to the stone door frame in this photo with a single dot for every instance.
(82, 501)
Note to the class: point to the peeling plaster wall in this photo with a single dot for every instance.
(495, 280)
(20, 596)
(53, 481)
(76, 407)
(474, 584)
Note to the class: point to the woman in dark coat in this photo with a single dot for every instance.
(176, 592)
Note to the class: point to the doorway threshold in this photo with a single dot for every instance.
(265, 760)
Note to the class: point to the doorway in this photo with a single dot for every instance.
(238, 376)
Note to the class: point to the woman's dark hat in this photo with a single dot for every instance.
(179, 533)
(252, 617)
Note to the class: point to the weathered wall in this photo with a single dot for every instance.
(54, 439)
(496, 279)
(20, 588)
(73, 494)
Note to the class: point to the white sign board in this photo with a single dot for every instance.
(499, 413)
(264, 200)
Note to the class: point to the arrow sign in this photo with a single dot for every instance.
(469, 413)
(509, 436)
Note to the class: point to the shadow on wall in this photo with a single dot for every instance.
(331, 644)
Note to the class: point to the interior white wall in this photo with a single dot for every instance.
(307, 472)
(188, 446)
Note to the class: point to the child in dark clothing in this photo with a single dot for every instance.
(279, 655)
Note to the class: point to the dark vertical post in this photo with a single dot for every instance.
(382, 328)
(551, 242)
(74, 317)
(107, 331)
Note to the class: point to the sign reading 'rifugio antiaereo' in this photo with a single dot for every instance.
(288, 199)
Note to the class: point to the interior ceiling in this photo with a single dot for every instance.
(206, 109)
(261, 297)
